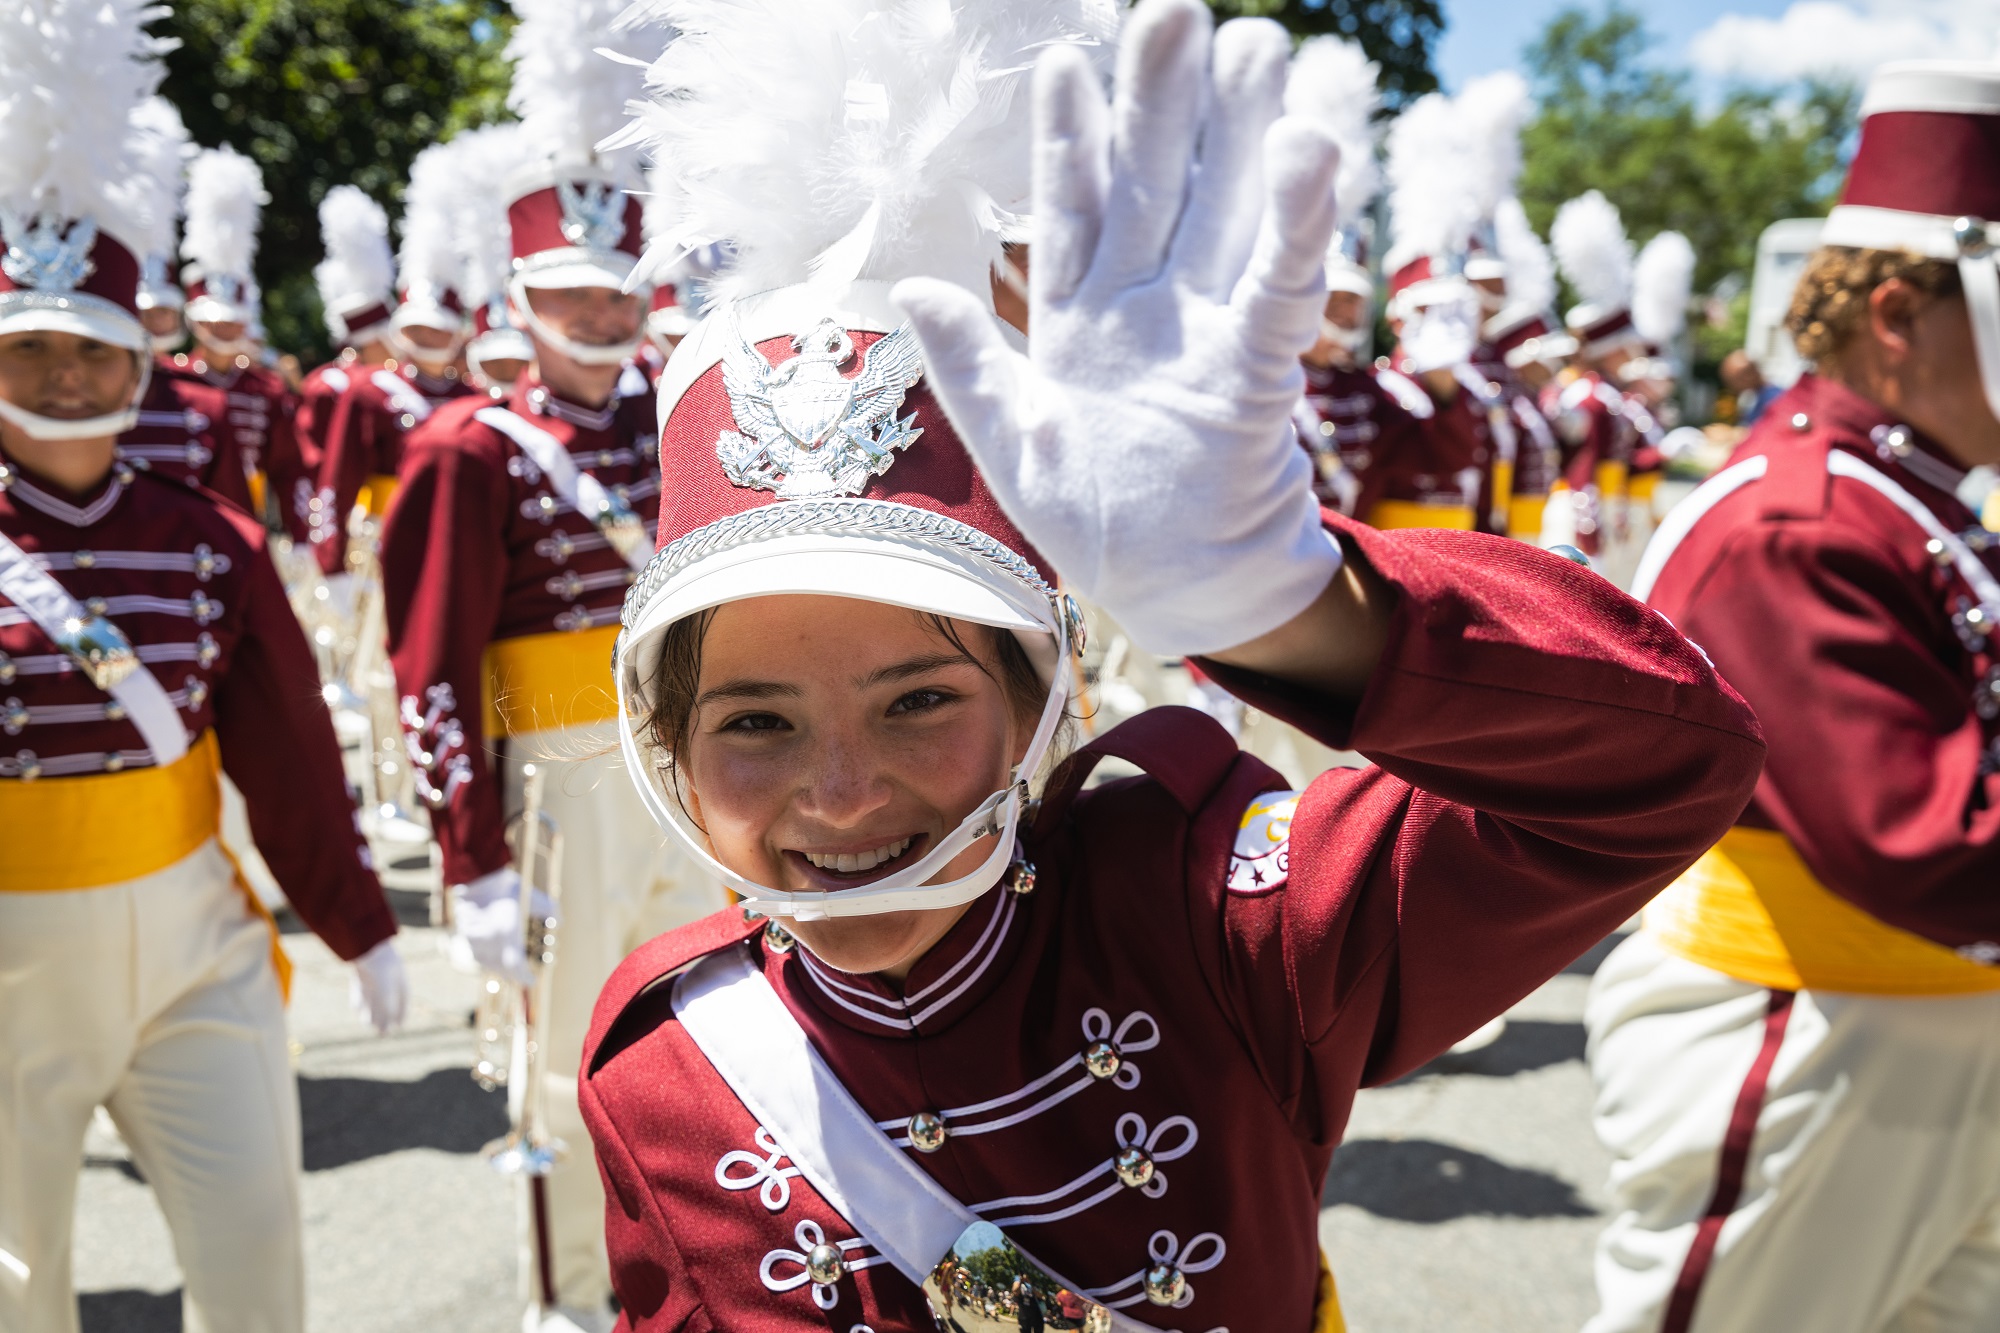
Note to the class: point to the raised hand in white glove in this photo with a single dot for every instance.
(486, 925)
(381, 990)
(1144, 444)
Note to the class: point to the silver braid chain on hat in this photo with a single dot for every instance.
(860, 518)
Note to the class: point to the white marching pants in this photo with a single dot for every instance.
(156, 999)
(1819, 1161)
(622, 884)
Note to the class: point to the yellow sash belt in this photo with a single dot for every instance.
(1752, 909)
(1326, 1312)
(107, 828)
(375, 494)
(1524, 517)
(1410, 514)
(542, 682)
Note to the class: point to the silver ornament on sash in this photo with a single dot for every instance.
(99, 649)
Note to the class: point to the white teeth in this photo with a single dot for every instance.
(849, 862)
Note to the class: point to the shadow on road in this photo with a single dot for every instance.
(1419, 1180)
(1528, 1043)
(1594, 956)
(130, 1311)
(349, 1120)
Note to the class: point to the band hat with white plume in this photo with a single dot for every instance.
(428, 264)
(1662, 282)
(832, 149)
(78, 209)
(1491, 110)
(484, 159)
(1526, 329)
(1333, 83)
(160, 151)
(1592, 250)
(357, 279)
(576, 69)
(225, 200)
(1432, 210)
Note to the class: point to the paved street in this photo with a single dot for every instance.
(1465, 1199)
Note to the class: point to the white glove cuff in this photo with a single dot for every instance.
(490, 887)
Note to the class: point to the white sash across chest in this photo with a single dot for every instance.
(46, 602)
(578, 489)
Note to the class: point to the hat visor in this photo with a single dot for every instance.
(98, 320)
(208, 310)
(578, 272)
(865, 568)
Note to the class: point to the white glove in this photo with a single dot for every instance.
(486, 925)
(381, 990)
(1442, 335)
(1144, 443)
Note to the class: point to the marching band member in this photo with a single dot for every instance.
(506, 553)
(497, 352)
(1507, 358)
(161, 148)
(357, 291)
(1588, 411)
(1121, 1029)
(1796, 1060)
(145, 648)
(1662, 282)
(225, 194)
(425, 333)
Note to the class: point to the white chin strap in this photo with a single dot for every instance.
(587, 354)
(425, 357)
(908, 889)
(1980, 276)
(38, 427)
(1347, 340)
(165, 342)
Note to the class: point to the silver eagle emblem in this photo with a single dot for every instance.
(809, 430)
(39, 256)
(593, 216)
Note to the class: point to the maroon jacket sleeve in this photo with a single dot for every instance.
(278, 746)
(1878, 772)
(285, 467)
(344, 466)
(1548, 755)
(444, 568)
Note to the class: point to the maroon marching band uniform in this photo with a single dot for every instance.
(367, 425)
(180, 435)
(256, 428)
(318, 392)
(190, 583)
(1803, 576)
(1364, 424)
(478, 548)
(1597, 441)
(1245, 990)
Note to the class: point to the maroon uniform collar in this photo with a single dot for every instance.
(1865, 428)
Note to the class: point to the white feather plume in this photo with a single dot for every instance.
(355, 232)
(1491, 110)
(1431, 162)
(1590, 245)
(1662, 281)
(576, 67)
(428, 256)
(225, 199)
(72, 74)
(160, 151)
(484, 159)
(1531, 273)
(1333, 84)
(848, 139)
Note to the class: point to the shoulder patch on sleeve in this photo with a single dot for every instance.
(1261, 859)
(1409, 395)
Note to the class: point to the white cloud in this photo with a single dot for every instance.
(1851, 39)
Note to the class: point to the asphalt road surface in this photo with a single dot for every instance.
(1465, 1199)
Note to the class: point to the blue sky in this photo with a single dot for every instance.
(1485, 35)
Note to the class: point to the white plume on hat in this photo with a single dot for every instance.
(225, 198)
(1492, 109)
(427, 261)
(1590, 245)
(571, 87)
(1333, 84)
(355, 232)
(849, 139)
(72, 75)
(1662, 281)
(1531, 273)
(1431, 203)
(483, 159)
(160, 151)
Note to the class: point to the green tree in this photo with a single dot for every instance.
(1399, 35)
(1607, 120)
(326, 92)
